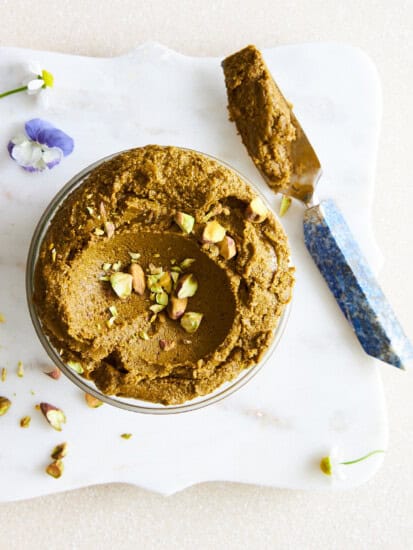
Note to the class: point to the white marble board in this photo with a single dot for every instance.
(319, 389)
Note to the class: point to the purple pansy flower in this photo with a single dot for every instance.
(42, 147)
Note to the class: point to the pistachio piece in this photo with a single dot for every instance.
(20, 369)
(134, 255)
(90, 210)
(184, 221)
(56, 417)
(143, 335)
(110, 229)
(190, 321)
(104, 278)
(113, 311)
(60, 451)
(177, 307)
(102, 211)
(98, 232)
(110, 322)
(166, 345)
(213, 232)
(76, 366)
(92, 401)
(138, 278)
(54, 255)
(285, 205)
(54, 373)
(121, 284)
(162, 298)
(106, 266)
(174, 277)
(176, 269)
(116, 266)
(227, 248)
(166, 282)
(185, 264)
(256, 211)
(25, 421)
(187, 286)
(55, 469)
(5, 405)
(126, 436)
(3, 374)
(156, 308)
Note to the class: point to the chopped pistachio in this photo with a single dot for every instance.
(162, 298)
(126, 436)
(187, 286)
(104, 278)
(166, 345)
(175, 277)
(109, 229)
(138, 278)
(153, 318)
(55, 417)
(190, 321)
(184, 221)
(99, 232)
(3, 374)
(51, 246)
(256, 211)
(102, 210)
(285, 205)
(113, 311)
(213, 232)
(173, 261)
(227, 248)
(55, 469)
(166, 282)
(54, 254)
(5, 405)
(59, 452)
(121, 284)
(143, 335)
(176, 307)
(116, 266)
(20, 369)
(154, 270)
(110, 322)
(134, 255)
(25, 421)
(106, 266)
(90, 210)
(92, 401)
(54, 373)
(156, 308)
(186, 263)
(76, 366)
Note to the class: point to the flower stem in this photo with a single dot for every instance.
(15, 91)
(363, 457)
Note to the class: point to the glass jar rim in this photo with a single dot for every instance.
(131, 404)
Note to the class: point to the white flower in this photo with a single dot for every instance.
(38, 80)
(33, 156)
(332, 466)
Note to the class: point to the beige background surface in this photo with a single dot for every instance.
(219, 515)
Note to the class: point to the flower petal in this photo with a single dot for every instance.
(10, 147)
(52, 156)
(28, 155)
(53, 137)
(34, 126)
(34, 86)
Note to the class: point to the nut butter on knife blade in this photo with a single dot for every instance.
(282, 153)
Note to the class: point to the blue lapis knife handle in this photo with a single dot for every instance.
(339, 259)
